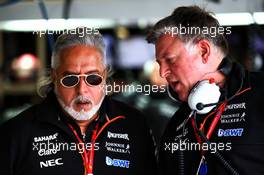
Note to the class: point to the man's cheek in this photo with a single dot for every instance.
(67, 98)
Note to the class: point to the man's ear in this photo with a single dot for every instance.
(204, 50)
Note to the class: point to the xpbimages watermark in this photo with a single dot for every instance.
(80, 31)
(146, 89)
(184, 145)
(195, 30)
(45, 148)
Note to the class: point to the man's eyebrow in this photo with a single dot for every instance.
(70, 73)
(162, 55)
(77, 73)
(92, 71)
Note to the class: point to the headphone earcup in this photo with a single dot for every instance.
(204, 92)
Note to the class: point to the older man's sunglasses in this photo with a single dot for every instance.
(70, 81)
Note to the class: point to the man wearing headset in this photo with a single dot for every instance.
(218, 128)
(77, 129)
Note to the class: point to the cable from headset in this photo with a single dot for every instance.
(181, 162)
(217, 154)
(170, 95)
(181, 153)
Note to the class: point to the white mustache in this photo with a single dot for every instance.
(82, 99)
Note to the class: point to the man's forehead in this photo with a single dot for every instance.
(162, 45)
(78, 66)
(77, 62)
(80, 50)
(81, 55)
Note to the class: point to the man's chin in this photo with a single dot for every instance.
(83, 108)
(81, 119)
(183, 97)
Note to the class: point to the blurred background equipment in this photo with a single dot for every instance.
(25, 67)
(28, 29)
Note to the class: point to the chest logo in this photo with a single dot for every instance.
(117, 162)
(51, 163)
(230, 132)
(117, 135)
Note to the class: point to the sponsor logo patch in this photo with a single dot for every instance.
(182, 135)
(236, 106)
(233, 118)
(117, 147)
(51, 163)
(46, 138)
(117, 135)
(230, 132)
(117, 162)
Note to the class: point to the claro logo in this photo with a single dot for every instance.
(52, 162)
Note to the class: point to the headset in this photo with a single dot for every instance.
(205, 94)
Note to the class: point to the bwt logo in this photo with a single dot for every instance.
(230, 132)
(117, 162)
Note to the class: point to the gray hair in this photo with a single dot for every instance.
(194, 19)
(79, 36)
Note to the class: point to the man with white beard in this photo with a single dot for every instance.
(77, 129)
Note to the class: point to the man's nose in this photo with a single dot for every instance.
(82, 86)
(164, 70)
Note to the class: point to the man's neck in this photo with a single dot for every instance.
(217, 76)
(220, 79)
(83, 124)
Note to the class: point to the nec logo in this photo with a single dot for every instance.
(230, 132)
(52, 162)
(117, 162)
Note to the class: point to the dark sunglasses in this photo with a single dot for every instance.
(70, 81)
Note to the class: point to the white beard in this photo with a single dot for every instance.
(81, 115)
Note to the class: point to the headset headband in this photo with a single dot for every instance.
(225, 66)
